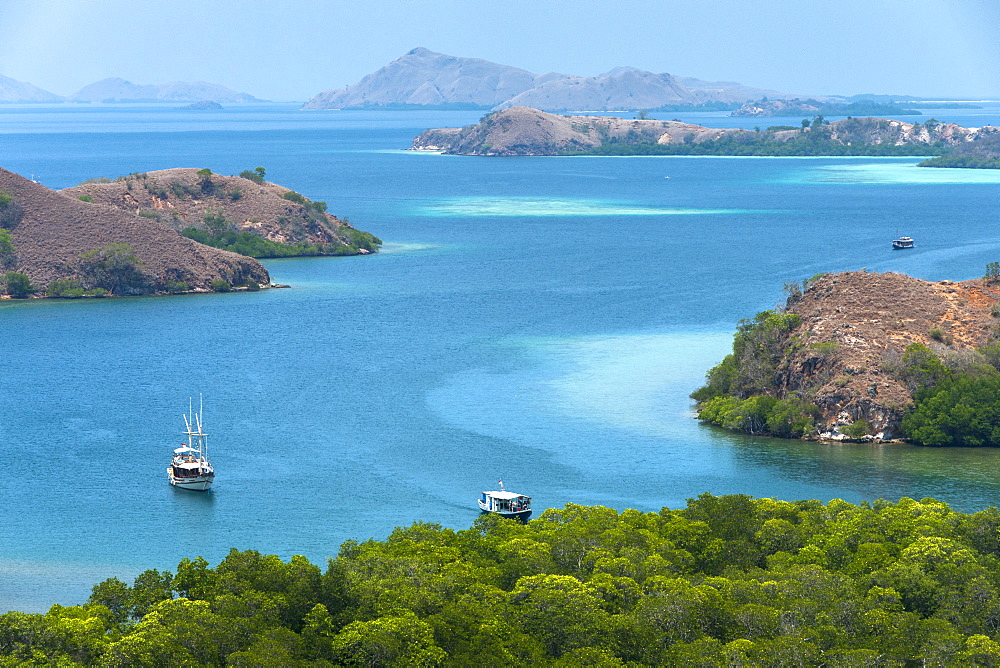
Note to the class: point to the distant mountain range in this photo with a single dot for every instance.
(425, 78)
(120, 90)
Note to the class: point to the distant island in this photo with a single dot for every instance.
(522, 131)
(866, 356)
(424, 79)
(120, 90)
(204, 105)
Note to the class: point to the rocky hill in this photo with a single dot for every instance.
(423, 77)
(527, 131)
(12, 90)
(51, 231)
(120, 90)
(855, 326)
(625, 88)
(192, 198)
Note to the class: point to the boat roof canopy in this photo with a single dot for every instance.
(504, 495)
(180, 450)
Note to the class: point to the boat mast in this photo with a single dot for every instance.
(202, 441)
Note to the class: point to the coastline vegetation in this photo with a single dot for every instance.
(252, 245)
(220, 234)
(956, 401)
(964, 161)
(738, 394)
(726, 580)
(811, 141)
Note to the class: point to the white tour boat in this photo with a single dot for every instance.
(506, 504)
(190, 468)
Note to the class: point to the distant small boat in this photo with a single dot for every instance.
(506, 504)
(190, 468)
(901, 243)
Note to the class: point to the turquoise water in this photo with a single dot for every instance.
(539, 320)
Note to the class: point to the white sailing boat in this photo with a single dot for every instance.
(190, 468)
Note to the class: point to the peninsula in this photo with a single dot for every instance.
(866, 356)
(55, 244)
(523, 131)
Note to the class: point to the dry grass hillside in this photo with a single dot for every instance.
(183, 198)
(870, 319)
(50, 232)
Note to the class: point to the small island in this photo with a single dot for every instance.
(204, 105)
(523, 131)
(165, 232)
(866, 357)
(56, 245)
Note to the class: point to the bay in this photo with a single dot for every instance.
(540, 320)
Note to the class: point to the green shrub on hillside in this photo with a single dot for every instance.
(257, 175)
(251, 245)
(65, 288)
(758, 346)
(856, 429)
(739, 391)
(293, 196)
(785, 418)
(18, 285)
(114, 268)
(7, 250)
(960, 410)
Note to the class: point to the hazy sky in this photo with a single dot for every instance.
(292, 49)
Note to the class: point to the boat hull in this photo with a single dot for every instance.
(520, 516)
(201, 483)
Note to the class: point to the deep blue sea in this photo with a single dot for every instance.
(540, 320)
